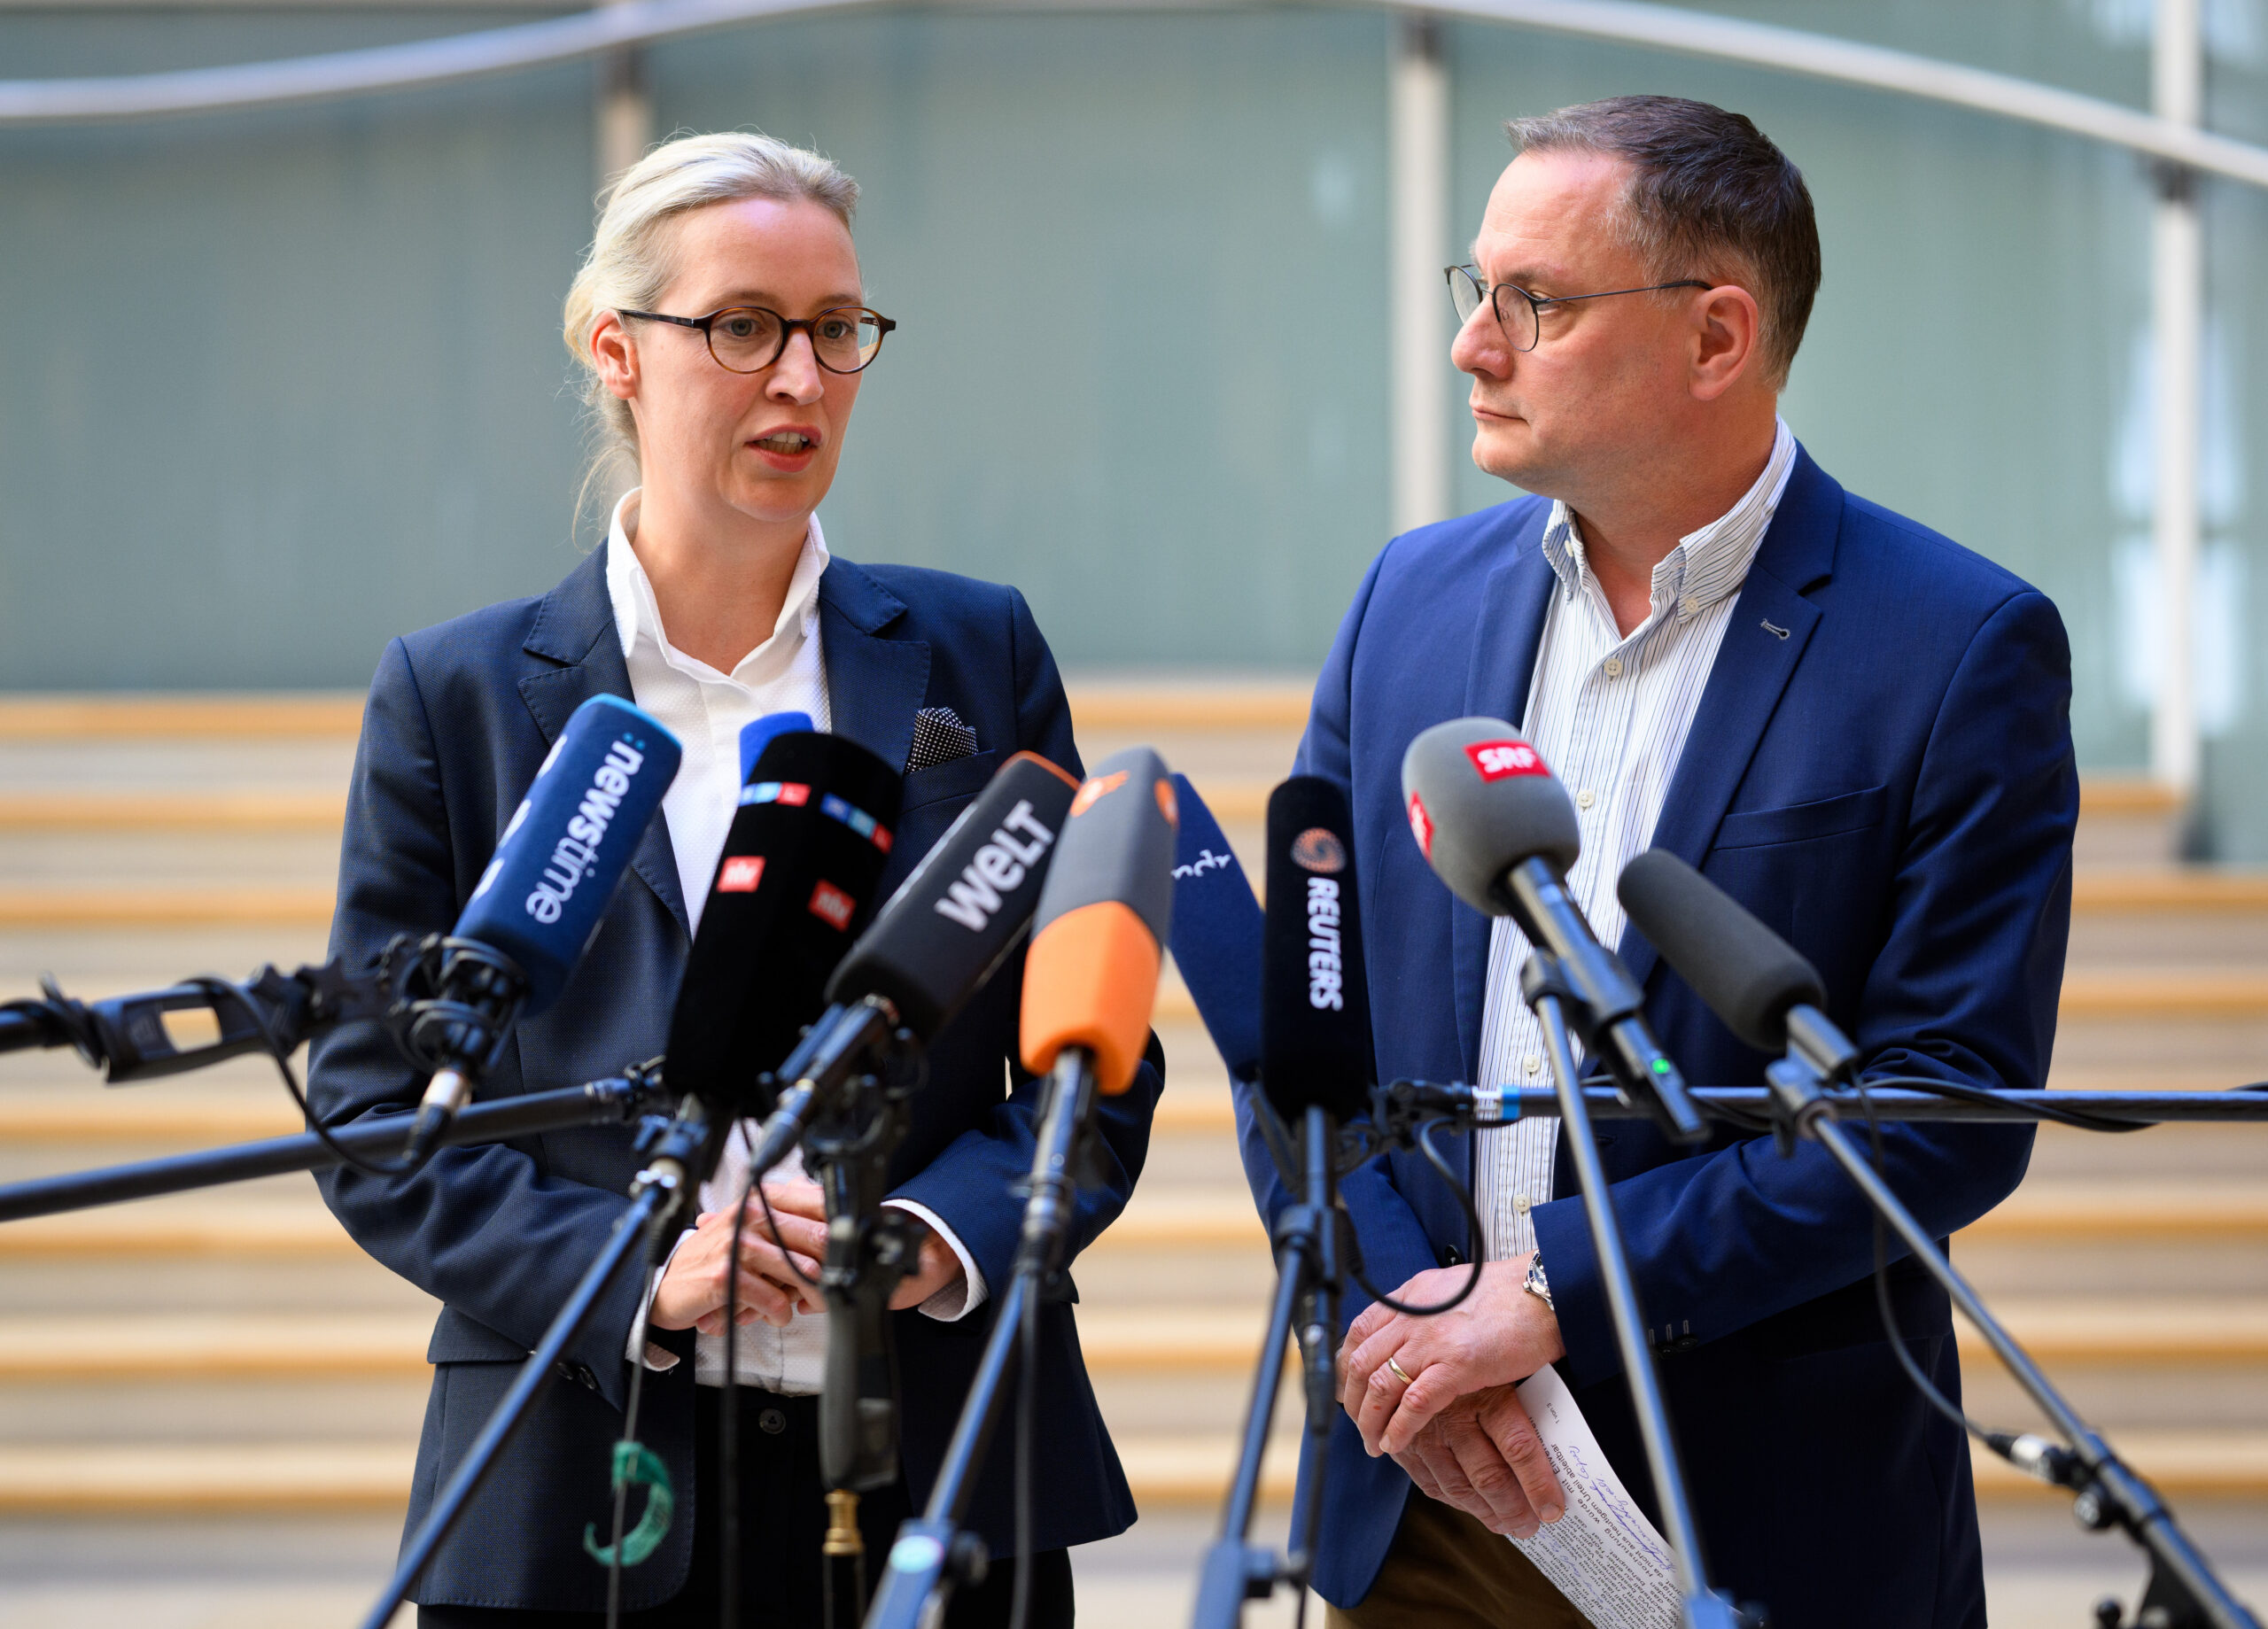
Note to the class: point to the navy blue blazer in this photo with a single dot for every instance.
(1881, 769)
(459, 717)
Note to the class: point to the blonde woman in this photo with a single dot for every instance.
(721, 324)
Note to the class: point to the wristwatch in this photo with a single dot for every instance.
(1537, 1284)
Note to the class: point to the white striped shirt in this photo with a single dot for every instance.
(1610, 715)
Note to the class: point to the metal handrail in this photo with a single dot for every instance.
(637, 22)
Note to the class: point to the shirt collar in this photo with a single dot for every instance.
(637, 616)
(1707, 565)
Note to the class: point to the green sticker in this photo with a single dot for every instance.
(636, 1465)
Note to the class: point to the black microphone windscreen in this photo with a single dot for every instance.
(795, 884)
(1747, 975)
(1314, 1012)
(1480, 801)
(968, 903)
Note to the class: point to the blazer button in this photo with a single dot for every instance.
(771, 1422)
(1451, 1256)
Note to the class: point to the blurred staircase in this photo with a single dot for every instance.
(233, 1355)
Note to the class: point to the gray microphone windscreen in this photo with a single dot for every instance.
(1747, 975)
(1480, 801)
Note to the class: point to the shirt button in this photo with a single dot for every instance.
(1531, 1064)
(1687, 605)
(1519, 1203)
(1586, 797)
(1615, 667)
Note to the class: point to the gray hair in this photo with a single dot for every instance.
(1709, 194)
(630, 262)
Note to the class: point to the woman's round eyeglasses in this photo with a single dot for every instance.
(1522, 317)
(750, 338)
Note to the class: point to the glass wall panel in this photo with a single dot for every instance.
(284, 384)
(1140, 266)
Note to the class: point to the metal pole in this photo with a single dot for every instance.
(1418, 122)
(2177, 318)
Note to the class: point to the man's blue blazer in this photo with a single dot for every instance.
(459, 717)
(1881, 769)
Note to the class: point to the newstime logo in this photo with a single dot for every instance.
(576, 854)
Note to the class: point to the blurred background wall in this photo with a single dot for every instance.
(288, 382)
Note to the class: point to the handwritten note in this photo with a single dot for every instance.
(1602, 1555)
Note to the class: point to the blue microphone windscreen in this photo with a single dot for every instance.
(757, 736)
(559, 861)
(1217, 932)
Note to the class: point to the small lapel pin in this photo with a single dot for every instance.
(1774, 629)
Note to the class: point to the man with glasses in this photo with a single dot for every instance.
(1853, 725)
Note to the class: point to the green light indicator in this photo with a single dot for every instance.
(1661, 1066)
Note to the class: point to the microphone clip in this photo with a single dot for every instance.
(452, 1000)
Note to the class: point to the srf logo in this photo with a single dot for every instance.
(1421, 825)
(741, 874)
(831, 905)
(1496, 759)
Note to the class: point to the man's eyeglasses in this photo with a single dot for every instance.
(750, 338)
(1521, 317)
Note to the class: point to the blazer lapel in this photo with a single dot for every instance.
(874, 685)
(1772, 622)
(1513, 605)
(574, 636)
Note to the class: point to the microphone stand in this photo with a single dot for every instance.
(2183, 1591)
(659, 1195)
(1310, 1278)
(1543, 987)
(935, 1553)
(596, 1102)
(870, 1248)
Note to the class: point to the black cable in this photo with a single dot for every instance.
(1472, 1231)
(629, 1434)
(2079, 1119)
(214, 988)
(728, 1446)
(772, 1222)
(1026, 1388)
(1922, 1382)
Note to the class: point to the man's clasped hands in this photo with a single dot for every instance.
(1455, 1422)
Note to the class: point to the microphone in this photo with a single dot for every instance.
(1091, 978)
(1218, 932)
(1316, 1045)
(537, 907)
(1502, 834)
(800, 868)
(1762, 988)
(935, 941)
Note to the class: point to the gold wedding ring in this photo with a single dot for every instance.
(1400, 1373)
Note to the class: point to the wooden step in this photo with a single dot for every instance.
(54, 908)
(1157, 1219)
(133, 810)
(110, 1480)
(202, 1480)
(1117, 1340)
(2107, 891)
(329, 714)
(239, 1346)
